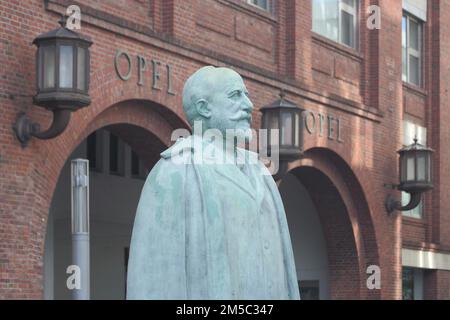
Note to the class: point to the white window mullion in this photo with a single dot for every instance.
(407, 49)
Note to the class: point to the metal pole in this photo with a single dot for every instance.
(80, 257)
(80, 226)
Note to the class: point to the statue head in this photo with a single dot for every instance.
(218, 98)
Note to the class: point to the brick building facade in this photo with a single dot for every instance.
(357, 97)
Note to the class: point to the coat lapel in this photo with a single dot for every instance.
(233, 174)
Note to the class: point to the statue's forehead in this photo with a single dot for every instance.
(227, 77)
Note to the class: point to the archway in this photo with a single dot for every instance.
(330, 227)
(122, 144)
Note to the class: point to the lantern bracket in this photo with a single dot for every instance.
(391, 204)
(25, 128)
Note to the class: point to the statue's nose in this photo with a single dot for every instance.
(247, 105)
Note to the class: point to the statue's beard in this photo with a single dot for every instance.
(243, 133)
(240, 136)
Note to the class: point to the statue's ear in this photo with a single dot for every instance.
(203, 108)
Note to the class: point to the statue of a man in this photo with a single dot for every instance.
(213, 229)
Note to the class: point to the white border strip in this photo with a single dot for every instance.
(425, 259)
(417, 8)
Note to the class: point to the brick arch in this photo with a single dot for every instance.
(345, 217)
(147, 117)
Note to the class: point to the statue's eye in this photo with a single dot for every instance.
(235, 93)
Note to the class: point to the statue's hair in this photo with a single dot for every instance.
(197, 86)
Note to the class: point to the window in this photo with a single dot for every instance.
(134, 164)
(412, 283)
(410, 132)
(336, 20)
(92, 150)
(138, 169)
(417, 212)
(309, 289)
(412, 49)
(113, 153)
(408, 284)
(263, 4)
(109, 154)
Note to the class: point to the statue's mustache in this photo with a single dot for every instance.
(242, 115)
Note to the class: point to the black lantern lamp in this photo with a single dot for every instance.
(415, 175)
(62, 73)
(285, 117)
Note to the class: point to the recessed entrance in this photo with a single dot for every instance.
(329, 264)
(120, 157)
(308, 241)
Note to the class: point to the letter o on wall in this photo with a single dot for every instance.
(116, 64)
(311, 128)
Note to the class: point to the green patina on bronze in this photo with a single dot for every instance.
(211, 230)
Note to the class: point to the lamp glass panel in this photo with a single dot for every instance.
(421, 166)
(264, 136)
(286, 128)
(297, 130)
(402, 168)
(410, 173)
(39, 66)
(81, 68)
(49, 66)
(65, 66)
(273, 119)
(273, 126)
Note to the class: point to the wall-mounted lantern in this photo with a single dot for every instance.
(415, 167)
(62, 79)
(286, 119)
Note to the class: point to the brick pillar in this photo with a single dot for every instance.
(179, 19)
(298, 39)
(439, 117)
(436, 285)
(387, 81)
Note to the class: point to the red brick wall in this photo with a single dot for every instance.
(428, 106)
(441, 130)
(271, 50)
(436, 285)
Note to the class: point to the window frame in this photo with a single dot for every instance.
(408, 279)
(269, 5)
(413, 52)
(354, 11)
